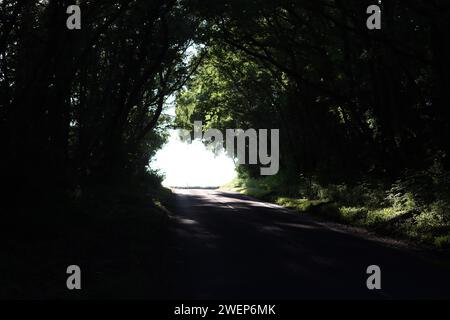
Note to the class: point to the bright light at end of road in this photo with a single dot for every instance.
(192, 165)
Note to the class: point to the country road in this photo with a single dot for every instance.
(225, 245)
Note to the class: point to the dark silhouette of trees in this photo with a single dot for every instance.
(81, 106)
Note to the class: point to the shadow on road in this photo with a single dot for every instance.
(227, 246)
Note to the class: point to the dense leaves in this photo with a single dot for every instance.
(349, 101)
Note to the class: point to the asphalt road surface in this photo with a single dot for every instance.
(225, 245)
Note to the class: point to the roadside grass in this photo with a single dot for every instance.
(415, 207)
(302, 205)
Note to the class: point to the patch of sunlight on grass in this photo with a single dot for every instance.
(442, 242)
(250, 188)
(299, 204)
(353, 213)
(378, 216)
(255, 192)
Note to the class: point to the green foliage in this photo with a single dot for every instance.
(416, 206)
(218, 95)
(347, 102)
(442, 242)
(302, 205)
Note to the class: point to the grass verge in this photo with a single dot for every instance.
(398, 210)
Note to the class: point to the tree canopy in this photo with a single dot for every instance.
(349, 101)
(84, 105)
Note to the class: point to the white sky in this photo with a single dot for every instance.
(192, 165)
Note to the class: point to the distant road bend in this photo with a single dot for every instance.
(228, 246)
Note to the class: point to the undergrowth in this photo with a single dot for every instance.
(415, 206)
